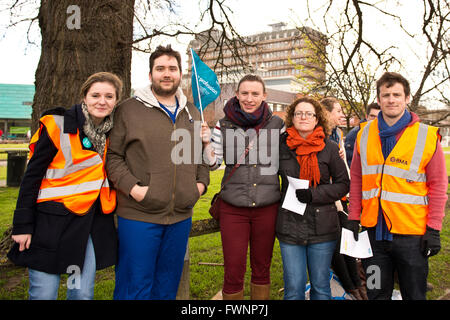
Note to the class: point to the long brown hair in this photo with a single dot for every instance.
(318, 109)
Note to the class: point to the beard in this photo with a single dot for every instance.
(160, 91)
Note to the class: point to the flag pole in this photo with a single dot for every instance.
(198, 88)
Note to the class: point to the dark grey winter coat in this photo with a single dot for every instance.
(255, 183)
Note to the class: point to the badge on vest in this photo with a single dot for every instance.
(87, 143)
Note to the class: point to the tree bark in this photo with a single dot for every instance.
(71, 52)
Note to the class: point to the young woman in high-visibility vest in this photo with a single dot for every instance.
(63, 222)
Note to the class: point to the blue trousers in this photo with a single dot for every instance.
(316, 258)
(44, 286)
(150, 259)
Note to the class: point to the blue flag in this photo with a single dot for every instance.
(205, 79)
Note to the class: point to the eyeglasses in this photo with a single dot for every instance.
(307, 114)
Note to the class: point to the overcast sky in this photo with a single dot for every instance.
(18, 59)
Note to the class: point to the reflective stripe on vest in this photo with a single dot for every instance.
(410, 174)
(403, 198)
(76, 180)
(70, 190)
(399, 181)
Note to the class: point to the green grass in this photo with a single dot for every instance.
(8, 198)
(202, 206)
(439, 265)
(205, 281)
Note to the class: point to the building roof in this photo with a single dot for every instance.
(279, 96)
(16, 101)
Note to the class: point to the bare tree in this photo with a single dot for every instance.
(99, 35)
(354, 61)
(436, 75)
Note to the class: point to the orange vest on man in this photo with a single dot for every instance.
(76, 176)
(398, 183)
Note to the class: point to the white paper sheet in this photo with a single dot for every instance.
(356, 249)
(291, 202)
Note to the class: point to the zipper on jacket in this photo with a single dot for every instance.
(383, 213)
(172, 212)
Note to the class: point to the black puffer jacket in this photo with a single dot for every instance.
(320, 221)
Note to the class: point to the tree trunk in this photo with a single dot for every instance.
(77, 41)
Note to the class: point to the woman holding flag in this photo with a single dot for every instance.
(251, 196)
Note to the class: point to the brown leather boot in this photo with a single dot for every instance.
(259, 291)
(233, 296)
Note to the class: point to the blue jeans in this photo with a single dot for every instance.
(316, 258)
(44, 286)
(150, 259)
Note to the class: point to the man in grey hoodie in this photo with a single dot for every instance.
(157, 188)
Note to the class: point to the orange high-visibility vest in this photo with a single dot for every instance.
(76, 177)
(399, 182)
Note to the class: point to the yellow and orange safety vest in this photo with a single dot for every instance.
(76, 177)
(399, 183)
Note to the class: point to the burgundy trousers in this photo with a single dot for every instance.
(239, 228)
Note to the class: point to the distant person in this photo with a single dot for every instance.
(336, 118)
(63, 222)
(1, 134)
(252, 195)
(371, 114)
(345, 267)
(398, 192)
(156, 193)
(308, 241)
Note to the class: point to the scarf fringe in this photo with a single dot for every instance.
(97, 134)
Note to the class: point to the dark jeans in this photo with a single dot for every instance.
(402, 255)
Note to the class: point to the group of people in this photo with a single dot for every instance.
(102, 157)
